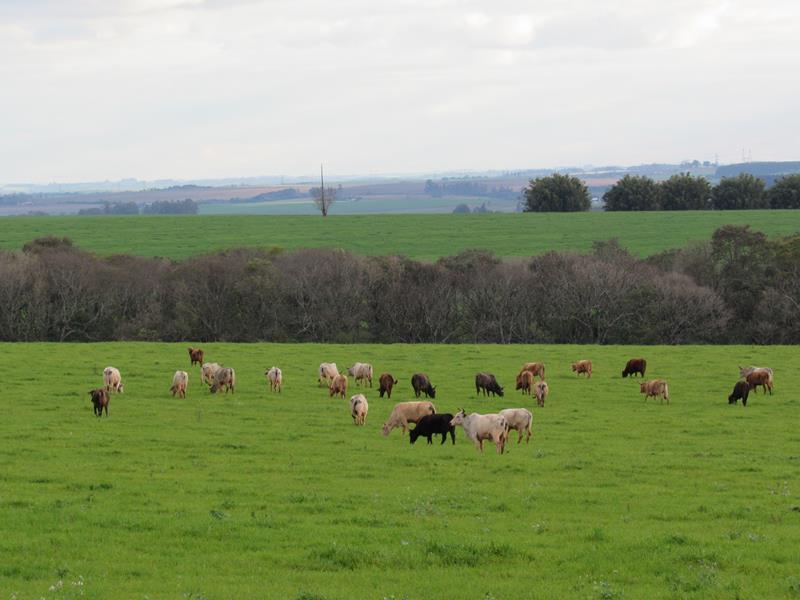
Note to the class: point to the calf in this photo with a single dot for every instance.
(487, 383)
(421, 384)
(740, 392)
(429, 425)
(100, 400)
(653, 388)
(338, 386)
(359, 408)
(583, 366)
(541, 389)
(224, 378)
(633, 366)
(179, 383)
(387, 382)
(760, 377)
(196, 356)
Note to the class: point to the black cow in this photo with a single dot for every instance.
(635, 365)
(429, 425)
(740, 392)
(487, 383)
(421, 384)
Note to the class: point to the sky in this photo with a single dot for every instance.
(189, 89)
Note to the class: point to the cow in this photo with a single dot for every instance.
(196, 356)
(112, 380)
(745, 371)
(404, 413)
(583, 366)
(387, 382)
(635, 365)
(534, 367)
(327, 372)
(421, 384)
(540, 390)
(479, 427)
(519, 419)
(760, 377)
(653, 388)
(180, 381)
(487, 383)
(359, 408)
(430, 425)
(525, 382)
(338, 386)
(362, 373)
(207, 372)
(224, 378)
(100, 400)
(275, 379)
(740, 392)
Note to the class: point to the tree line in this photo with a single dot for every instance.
(567, 193)
(159, 207)
(738, 287)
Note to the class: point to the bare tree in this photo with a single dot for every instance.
(323, 197)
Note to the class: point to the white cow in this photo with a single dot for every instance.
(483, 427)
(112, 379)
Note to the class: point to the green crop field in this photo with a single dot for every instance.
(418, 236)
(259, 495)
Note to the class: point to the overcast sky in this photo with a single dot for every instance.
(103, 89)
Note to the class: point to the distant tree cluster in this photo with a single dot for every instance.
(738, 287)
(556, 193)
(464, 209)
(686, 192)
(160, 207)
(468, 188)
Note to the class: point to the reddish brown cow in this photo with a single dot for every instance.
(583, 366)
(535, 368)
(196, 356)
(762, 378)
(635, 365)
(387, 382)
(100, 399)
(525, 382)
(338, 386)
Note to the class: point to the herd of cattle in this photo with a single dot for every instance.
(422, 413)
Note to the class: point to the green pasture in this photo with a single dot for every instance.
(424, 237)
(259, 495)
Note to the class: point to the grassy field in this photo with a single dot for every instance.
(258, 495)
(417, 236)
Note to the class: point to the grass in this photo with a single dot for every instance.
(258, 495)
(424, 237)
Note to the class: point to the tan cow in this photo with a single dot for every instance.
(541, 390)
(407, 412)
(180, 381)
(525, 382)
(653, 388)
(583, 366)
(275, 379)
(112, 380)
(327, 372)
(534, 367)
(359, 407)
(483, 427)
(338, 386)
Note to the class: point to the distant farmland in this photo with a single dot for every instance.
(424, 237)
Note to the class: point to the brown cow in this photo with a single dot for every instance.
(338, 386)
(525, 382)
(100, 400)
(196, 356)
(387, 382)
(655, 387)
(635, 365)
(535, 368)
(760, 377)
(583, 366)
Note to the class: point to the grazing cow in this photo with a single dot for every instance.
(362, 373)
(740, 391)
(196, 356)
(655, 387)
(338, 386)
(540, 390)
(207, 372)
(583, 366)
(525, 382)
(275, 379)
(359, 408)
(404, 413)
(487, 383)
(483, 427)
(429, 425)
(635, 365)
(224, 377)
(179, 383)
(519, 419)
(327, 372)
(387, 382)
(534, 367)
(112, 379)
(100, 400)
(760, 377)
(421, 384)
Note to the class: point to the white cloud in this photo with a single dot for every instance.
(192, 88)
